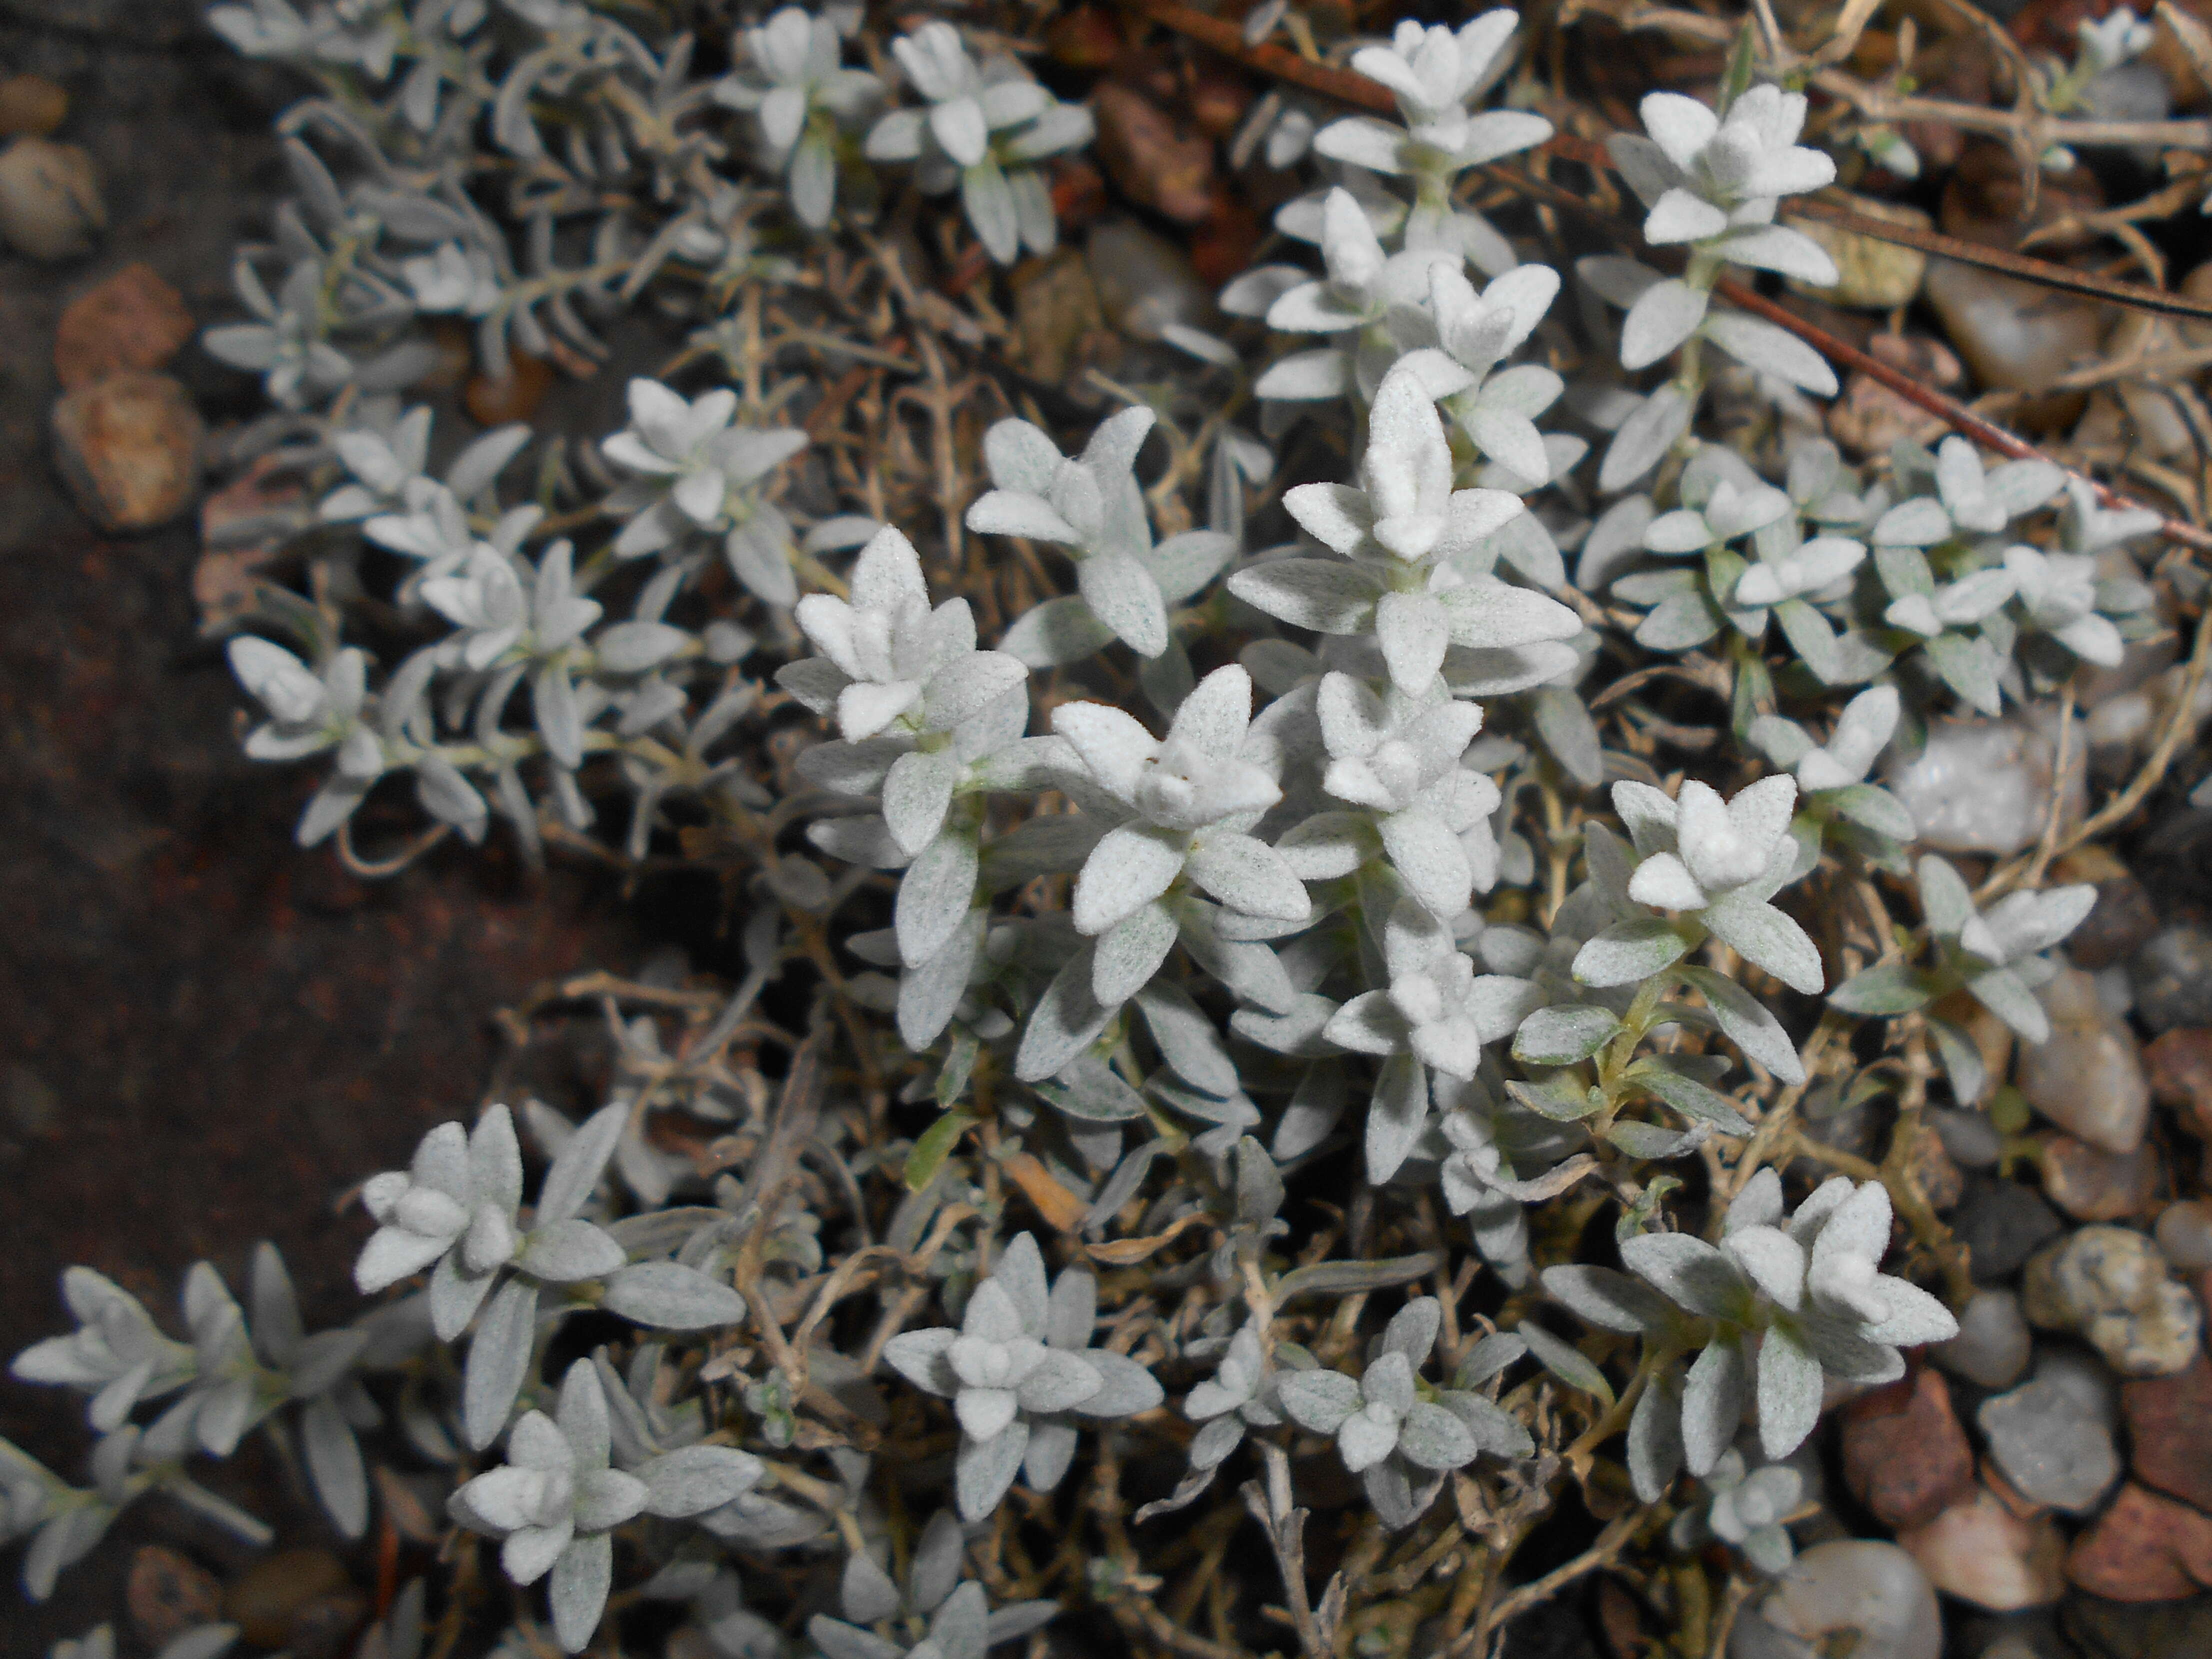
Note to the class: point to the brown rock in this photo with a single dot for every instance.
(50, 206)
(270, 1599)
(1940, 1180)
(2180, 1067)
(1870, 418)
(2089, 1078)
(129, 448)
(2092, 1185)
(31, 104)
(1157, 162)
(2144, 1548)
(1905, 1455)
(133, 320)
(514, 397)
(1986, 199)
(1055, 314)
(168, 1594)
(1980, 1551)
(2170, 1428)
(2121, 923)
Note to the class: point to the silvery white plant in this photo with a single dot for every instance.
(1017, 1368)
(1782, 1302)
(1744, 1508)
(795, 84)
(923, 1606)
(984, 129)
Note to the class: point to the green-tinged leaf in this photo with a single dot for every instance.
(1691, 1098)
(959, 1066)
(934, 1146)
(1560, 1036)
(1895, 987)
(1650, 1141)
(1565, 1361)
(1350, 1278)
(1558, 1098)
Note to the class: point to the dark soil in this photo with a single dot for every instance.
(206, 1037)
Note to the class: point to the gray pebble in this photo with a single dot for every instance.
(1992, 1347)
(2054, 1452)
(2003, 1224)
(2172, 978)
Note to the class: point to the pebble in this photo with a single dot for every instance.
(2089, 1078)
(1979, 785)
(2144, 1548)
(2055, 1453)
(1971, 1138)
(2184, 1233)
(2110, 1286)
(2091, 1185)
(515, 396)
(1853, 1595)
(50, 206)
(1993, 1344)
(133, 320)
(2154, 1629)
(1932, 1170)
(128, 447)
(2170, 1428)
(1980, 1551)
(2087, 1378)
(1144, 281)
(168, 1594)
(2002, 1224)
(1055, 314)
(1871, 274)
(2173, 977)
(1158, 162)
(1985, 200)
(1870, 418)
(2015, 336)
(274, 1598)
(1906, 1457)
(2180, 1067)
(31, 104)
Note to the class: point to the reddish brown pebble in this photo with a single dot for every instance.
(129, 448)
(2121, 923)
(1905, 1455)
(133, 320)
(1157, 161)
(2180, 1067)
(31, 104)
(2144, 1548)
(2170, 1428)
(266, 1600)
(169, 1594)
(1088, 37)
(516, 397)
(2092, 1185)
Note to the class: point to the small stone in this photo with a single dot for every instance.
(2091, 1185)
(1980, 1551)
(1870, 418)
(1969, 1137)
(2180, 1067)
(1158, 161)
(2169, 1431)
(1871, 274)
(2144, 1548)
(2173, 977)
(1144, 281)
(129, 448)
(513, 396)
(50, 206)
(169, 1594)
(270, 1598)
(1986, 200)
(2089, 1078)
(1980, 785)
(31, 104)
(1856, 1595)
(2184, 1233)
(1055, 314)
(1993, 1344)
(1905, 1455)
(2111, 1286)
(133, 320)
(2087, 1378)
(2017, 337)
(2120, 923)
(2054, 1453)
(1931, 1169)
(2142, 1630)
(2001, 1224)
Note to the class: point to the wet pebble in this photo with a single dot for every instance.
(2172, 978)
(1851, 1595)
(2089, 1076)
(2001, 1224)
(2055, 1453)
(2111, 1286)
(1993, 1344)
